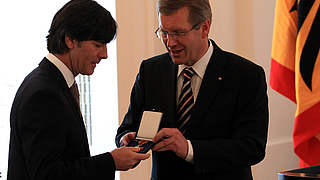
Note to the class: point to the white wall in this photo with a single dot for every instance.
(243, 27)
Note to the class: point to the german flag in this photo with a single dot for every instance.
(295, 71)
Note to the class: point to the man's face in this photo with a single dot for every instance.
(86, 55)
(187, 49)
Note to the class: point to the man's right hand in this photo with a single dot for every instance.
(126, 157)
(127, 138)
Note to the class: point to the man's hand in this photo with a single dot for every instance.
(126, 157)
(127, 138)
(171, 139)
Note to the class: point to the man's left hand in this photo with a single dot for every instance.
(171, 139)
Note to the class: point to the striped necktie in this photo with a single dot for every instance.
(186, 100)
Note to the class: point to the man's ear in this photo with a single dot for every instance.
(205, 28)
(69, 42)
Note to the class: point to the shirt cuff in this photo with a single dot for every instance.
(189, 156)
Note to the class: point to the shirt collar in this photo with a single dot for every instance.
(200, 66)
(67, 74)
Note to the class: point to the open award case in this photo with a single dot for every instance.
(148, 128)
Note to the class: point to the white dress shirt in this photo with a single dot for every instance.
(200, 68)
(67, 74)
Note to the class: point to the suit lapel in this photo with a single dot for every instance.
(212, 80)
(168, 92)
(172, 93)
(61, 82)
(73, 103)
(61, 85)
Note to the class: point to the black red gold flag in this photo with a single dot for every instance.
(295, 71)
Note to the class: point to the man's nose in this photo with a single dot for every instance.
(171, 40)
(104, 53)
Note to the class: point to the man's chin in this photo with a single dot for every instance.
(88, 73)
(177, 61)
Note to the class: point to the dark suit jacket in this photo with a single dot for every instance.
(48, 138)
(229, 124)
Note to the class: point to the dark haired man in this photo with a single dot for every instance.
(214, 103)
(48, 138)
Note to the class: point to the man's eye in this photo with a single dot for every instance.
(179, 33)
(98, 45)
(164, 32)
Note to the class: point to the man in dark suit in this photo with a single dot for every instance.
(214, 103)
(48, 138)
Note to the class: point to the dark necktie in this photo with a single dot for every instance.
(75, 92)
(186, 100)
